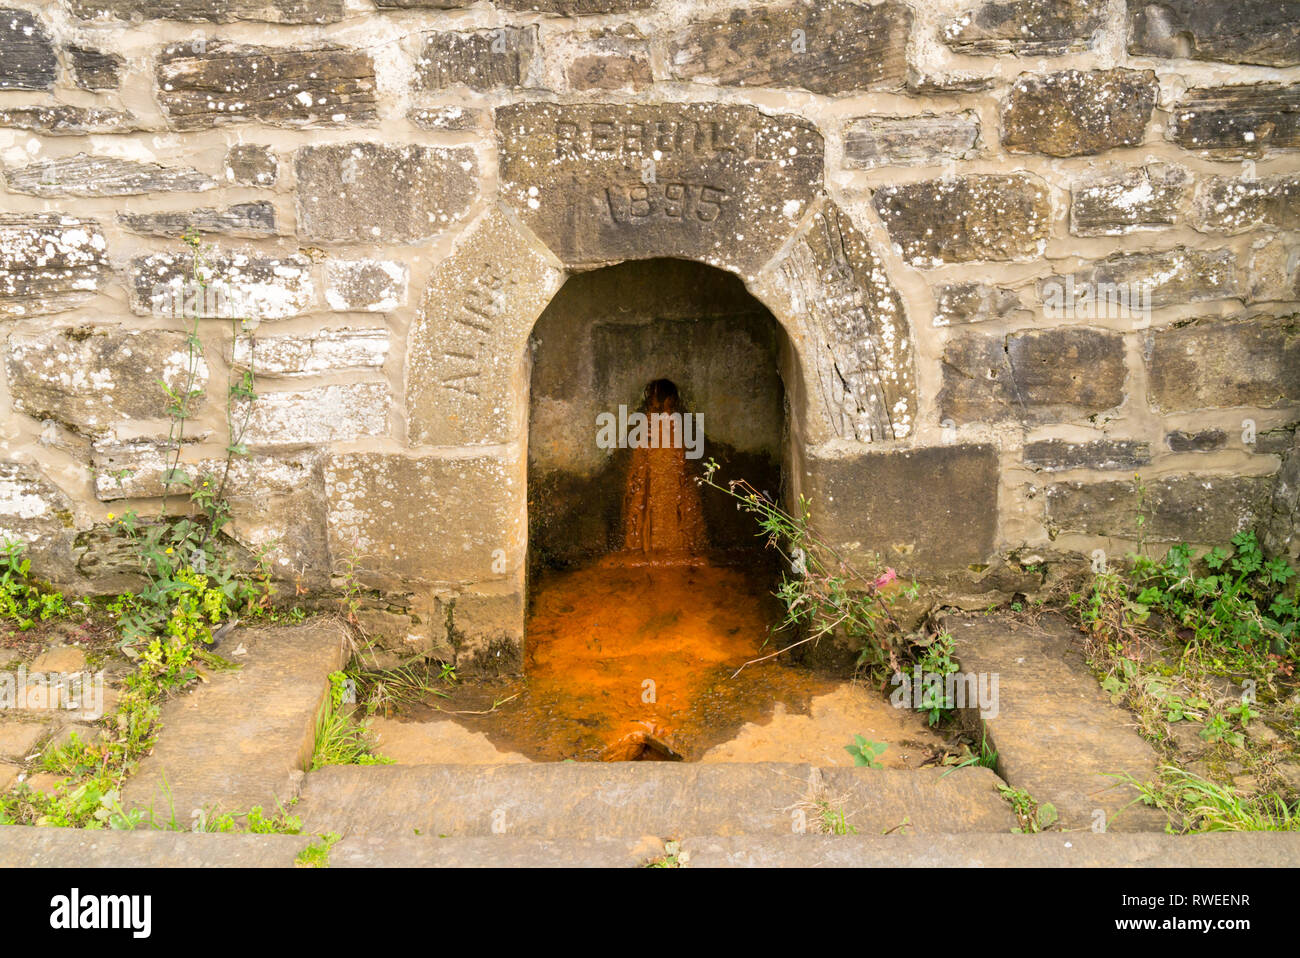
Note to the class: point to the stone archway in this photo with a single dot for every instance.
(588, 185)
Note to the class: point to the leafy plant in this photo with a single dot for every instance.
(673, 857)
(866, 752)
(936, 660)
(833, 821)
(1233, 605)
(1033, 817)
(317, 853)
(21, 601)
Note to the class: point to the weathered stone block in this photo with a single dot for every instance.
(1235, 205)
(371, 193)
(27, 57)
(1077, 113)
(974, 217)
(1235, 31)
(49, 262)
(1055, 375)
(601, 183)
(609, 72)
(919, 510)
(871, 141)
(405, 634)
(1207, 440)
(1273, 270)
(1215, 364)
(826, 48)
(37, 513)
(480, 59)
(1144, 199)
(84, 175)
(448, 119)
(252, 164)
(95, 70)
(617, 59)
(290, 530)
(365, 285)
(216, 11)
(973, 303)
(1053, 455)
(1204, 510)
(485, 629)
(1166, 277)
(464, 364)
(242, 219)
(1237, 120)
(851, 335)
(319, 414)
(92, 377)
(1026, 27)
(225, 82)
(241, 285)
(135, 469)
(65, 120)
(467, 516)
(312, 353)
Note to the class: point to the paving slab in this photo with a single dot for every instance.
(596, 800)
(441, 742)
(1046, 850)
(18, 739)
(243, 738)
(25, 846)
(1056, 732)
(60, 658)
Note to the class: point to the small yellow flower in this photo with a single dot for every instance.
(111, 517)
(169, 550)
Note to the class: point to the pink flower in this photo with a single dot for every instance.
(889, 576)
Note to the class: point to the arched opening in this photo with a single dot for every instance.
(607, 339)
(647, 587)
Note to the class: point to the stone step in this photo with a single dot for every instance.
(999, 850)
(633, 799)
(27, 847)
(243, 738)
(1056, 732)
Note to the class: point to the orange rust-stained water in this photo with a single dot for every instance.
(662, 512)
(627, 653)
(626, 656)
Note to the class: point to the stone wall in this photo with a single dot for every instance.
(922, 194)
